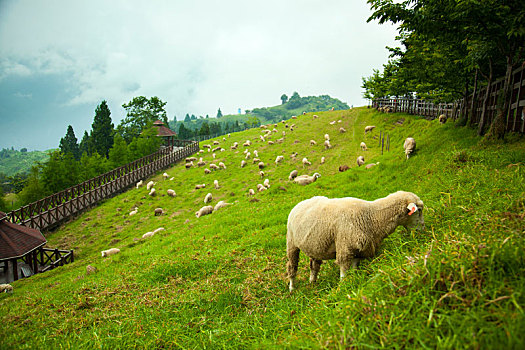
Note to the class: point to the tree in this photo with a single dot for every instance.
(3, 204)
(92, 166)
(145, 144)
(85, 145)
(205, 129)
(118, 154)
(284, 99)
(141, 113)
(102, 130)
(59, 172)
(69, 145)
(187, 119)
(33, 189)
(193, 117)
(184, 133)
(23, 150)
(219, 113)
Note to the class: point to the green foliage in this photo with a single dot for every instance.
(284, 98)
(33, 189)
(141, 113)
(3, 204)
(69, 144)
(59, 172)
(92, 166)
(118, 154)
(13, 162)
(219, 114)
(102, 130)
(145, 144)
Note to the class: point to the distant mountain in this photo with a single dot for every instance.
(15, 162)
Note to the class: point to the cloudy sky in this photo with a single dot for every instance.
(60, 58)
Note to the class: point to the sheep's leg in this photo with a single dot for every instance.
(355, 262)
(291, 266)
(346, 259)
(315, 266)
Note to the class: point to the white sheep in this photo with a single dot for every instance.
(158, 229)
(442, 119)
(248, 143)
(208, 198)
(216, 184)
(134, 211)
(342, 130)
(306, 162)
(248, 155)
(345, 229)
(221, 164)
(150, 185)
(153, 192)
(256, 153)
(213, 155)
(322, 160)
(215, 142)
(409, 146)
(199, 186)
(327, 137)
(261, 165)
(221, 205)
(243, 163)
(171, 193)
(304, 180)
(189, 165)
(110, 251)
(201, 162)
(251, 192)
(207, 171)
(213, 166)
(360, 160)
(261, 188)
(293, 175)
(165, 176)
(208, 209)
(139, 184)
(191, 159)
(279, 159)
(363, 146)
(158, 211)
(327, 144)
(261, 174)
(313, 143)
(148, 234)
(266, 183)
(369, 128)
(6, 288)
(332, 122)
(255, 160)
(271, 142)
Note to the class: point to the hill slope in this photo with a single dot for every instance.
(219, 281)
(14, 162)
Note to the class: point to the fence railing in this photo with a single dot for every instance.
(50, 211)
(474, 107)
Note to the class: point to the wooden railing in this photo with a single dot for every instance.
(50, 211)
(52, 258)
(515, 119)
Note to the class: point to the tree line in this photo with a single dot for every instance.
(448, 49)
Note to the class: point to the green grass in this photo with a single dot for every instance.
(220, 282)
(21, 162)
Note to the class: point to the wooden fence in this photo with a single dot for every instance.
(515, 119)
(50, 211)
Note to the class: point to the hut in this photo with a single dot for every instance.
(166, 133)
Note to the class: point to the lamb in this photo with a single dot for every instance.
(327, 144)
(304, 180)
(208, 198)
(208, 209)
(322, 160)
(293, 175)
(243, 163)
(409, 146)
(221, 205)
(279, 159)
(442, 119)
(345, 229)
(306, 162)
(6, 288)
(171, 193)
(260, 165)
(153, 192)
(360, 160)
(266, 183)
(216, 184)
(221, 164)
(207, 171)
(188, 165)
(313, 143)
(139, 184)
(110, 251)
(363, 146)
(198, 187)
(150, 185)
(165, 175)
(342, 130)
(158, 211)
(369, 128)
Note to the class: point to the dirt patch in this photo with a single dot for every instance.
(400, 121)
(254, 200)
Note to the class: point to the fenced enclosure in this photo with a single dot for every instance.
(474, 105)
(48, 212)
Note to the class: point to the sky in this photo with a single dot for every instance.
(59, 59)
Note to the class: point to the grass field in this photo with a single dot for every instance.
(219, 281)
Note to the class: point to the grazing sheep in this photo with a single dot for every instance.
(294, 117)
(158, 211)
(191, 159)
(315, 116)
(188, 165)
(165, 175)
(327, 137)
(215, 143)
(368, 166)
(201, 162)
(345, 229)
(206, 146)
(369, 128)
(260, 165)
(266, 183)
(148, 234)
(207, 171)
(150, 185)
(343, 168)
(110, 251)
(327, 144)
(261, 188)
(271, 143)
(256, 153)
(442, 119)
(293, 175)
(360, 160)
(251, 192)
(409, 146)
(213, 155)
(261, 173)
(313, 143)
(247, 143)
(153, 192)
(158, 230)
(279, 159)
(216, 184)
(363, 146)
(134, 211)
(172, 178)
(332, 122)
(139, 184)
(256, 160)
(248, 155)
(306, 179)
(208, 209)
(208, 198)
(306, 162)
(221, 205)
(342, 130)
(221, 164)
(243, 164)
(281, 140)
(322, 160)
(198, 187)
(171, 193)
(6, 288)
(216, 149)
(213, 166)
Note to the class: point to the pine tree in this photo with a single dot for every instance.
(85, 145)
(69, 144)
(118, 154)
(102, 130)
(187, 119)
(219, 113)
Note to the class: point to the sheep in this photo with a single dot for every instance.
(339, 121)
(191, 159)
(213, 166)
(266, 183)
(368, 166)
(189, 165)
(110, 251)
(158, 211)
(255, 153)
(248, 155)
(134, 211)
(271, 142)
(369, 128)
(208, 209)
(281, 140)
(139, 184)
(343, 168)
(313, 143)
(208, 198)
(306, 162)
(165, 175)
(315, 116)
(345, 229)
(221, 205)
(322, 160)
(342, 130)
(251, 192)
(198, 187)
(261, 165)
(207, 171)
(216, 149)
(216, 184)
(294, 117)
(442, 119)
(222, 149)
(213, 155)
(153, 192)
(409, 146)
(261, 188)
(363, 146)
(327, 137)
(360, 160)
(158, 229)
(256, 160)
(172, 178)
(332, 122)
(150, 185)
(274, 130)
(248, 143)
(6, 288)
(304, 180)
(221, 164)
(148, 234)
(215, 143)
(201, 162)
(261, 173)
(279, 159)
(206, 146)
(327, 144)
(171, 193)
(293, 175)
(243, 163)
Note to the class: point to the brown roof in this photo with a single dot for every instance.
(158, 122)
(16, 240)
(164, 131)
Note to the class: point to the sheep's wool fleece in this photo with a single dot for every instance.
(320, 226)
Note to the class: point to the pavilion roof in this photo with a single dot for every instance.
(17, 240)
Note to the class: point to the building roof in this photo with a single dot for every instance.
(162, 130)
(16, 240)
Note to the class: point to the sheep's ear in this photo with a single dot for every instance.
(412, 208)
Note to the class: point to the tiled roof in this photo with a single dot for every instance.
(17, 240)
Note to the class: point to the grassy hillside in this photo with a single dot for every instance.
(219, 281)
(14, 162)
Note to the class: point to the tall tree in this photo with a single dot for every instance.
(284, 99)
(118, 154)
(141, 113)
(102, 130)
(85, 145)
(219, 113)
(187, 119)
(69, 143)
(205, 129)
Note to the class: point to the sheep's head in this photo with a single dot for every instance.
(413, 213)
(316, 176)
